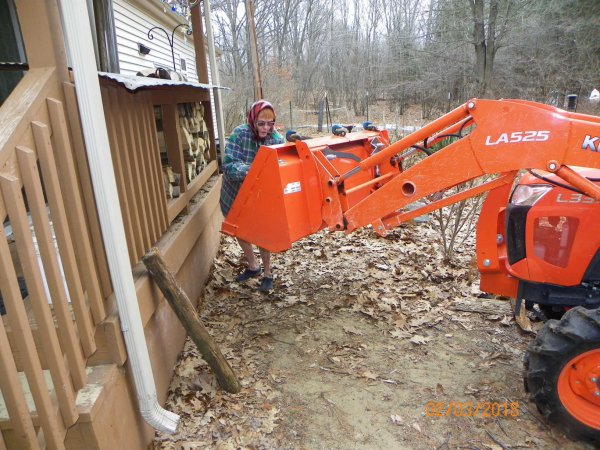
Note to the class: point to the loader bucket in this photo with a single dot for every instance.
(291, 191)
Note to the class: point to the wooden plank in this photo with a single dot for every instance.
(53, 191)
(178, 205)
(2, 443)
(11, 189)
(175, 250)
(199, 49)
(146, 147)
(111, 116)
(123, 149)
(170, 120)
(208, 119)
(39, 22)
(93, 223)
(130, 107)
(37, 206)
(14, 398)
(168, 95)
(64, 159)
(111, 343)
(155, 160)
(22, 106)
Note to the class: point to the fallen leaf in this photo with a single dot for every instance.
(419, 340)
(351, 330)
(439, 389)
(506, 321)
(369, 375)
(399, 334)
(396, 419)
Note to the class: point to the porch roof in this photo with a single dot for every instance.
(138, 83)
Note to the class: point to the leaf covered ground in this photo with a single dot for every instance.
(360, 334)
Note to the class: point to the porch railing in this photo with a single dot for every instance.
(56, 296)
(140, 159)
(49, 276)
(54, 279)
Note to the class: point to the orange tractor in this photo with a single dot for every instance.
(538, 240)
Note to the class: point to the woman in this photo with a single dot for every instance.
(240, 152)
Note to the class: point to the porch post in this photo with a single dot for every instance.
(214, 72)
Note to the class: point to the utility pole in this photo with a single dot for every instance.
(258, 93)
(214, 70)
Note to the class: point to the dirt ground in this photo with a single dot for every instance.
(360, 334)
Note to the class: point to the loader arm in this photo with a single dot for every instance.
(506, 136)
(344, 183)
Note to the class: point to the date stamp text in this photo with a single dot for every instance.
(472, 409)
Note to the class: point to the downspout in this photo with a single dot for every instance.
(81, 54)
(214, 75)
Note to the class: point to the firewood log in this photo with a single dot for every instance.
(187, 314)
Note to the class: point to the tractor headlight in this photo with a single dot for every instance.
(529, 194)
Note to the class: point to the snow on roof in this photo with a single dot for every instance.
(137, 83)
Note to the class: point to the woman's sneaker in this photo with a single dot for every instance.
(266, 284)
(247, 274)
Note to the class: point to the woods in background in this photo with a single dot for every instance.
(435, 53)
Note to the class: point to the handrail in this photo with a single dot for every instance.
(21, 105)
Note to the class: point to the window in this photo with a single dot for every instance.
(11, 49)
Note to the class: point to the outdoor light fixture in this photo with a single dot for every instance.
(143, 49)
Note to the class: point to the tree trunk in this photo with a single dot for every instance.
(490, 50)
(190, 320)
(477, 9)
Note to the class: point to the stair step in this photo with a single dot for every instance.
(89, 399)
(4, 418)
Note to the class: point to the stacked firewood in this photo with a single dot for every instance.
(195, 145)
(171, 182)
(193, 134)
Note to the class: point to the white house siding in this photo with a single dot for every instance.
(133, 19)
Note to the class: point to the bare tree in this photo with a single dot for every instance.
(489, 26)
(436, 53)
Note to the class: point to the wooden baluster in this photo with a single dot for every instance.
(85, 182)
(132, 106)
(37, 206)
(14, 398)
(122, 149)
(11, 189)
(154, 158)
(64, 159)
(64, 236)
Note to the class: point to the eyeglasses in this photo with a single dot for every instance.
(262, 123)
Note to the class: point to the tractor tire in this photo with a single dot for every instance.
(562, 373)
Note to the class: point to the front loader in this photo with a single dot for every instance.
(538, 239)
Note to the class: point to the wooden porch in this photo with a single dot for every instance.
(64, 369)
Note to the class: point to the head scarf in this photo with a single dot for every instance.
(253, 113)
